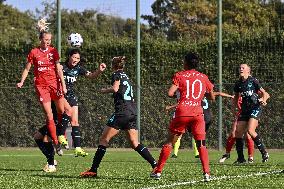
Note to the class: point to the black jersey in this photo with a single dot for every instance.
(248, 90)
(71, 74)
(123, 98)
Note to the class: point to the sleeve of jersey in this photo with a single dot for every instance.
(236, 88)
(115, 77)
(30, 57)
(257, 84)
(55, 55)
(209, 86)
(83, 71)
(176, 79)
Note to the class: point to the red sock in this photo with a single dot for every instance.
(203, 155)
(250, 146)
(164, 155)
(52, 130)
(230, 143)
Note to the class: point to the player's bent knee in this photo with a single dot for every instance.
(38, 135)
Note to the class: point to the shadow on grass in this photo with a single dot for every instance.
(25, 170)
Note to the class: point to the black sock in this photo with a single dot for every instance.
(98, 158)
(50, 152)
(259, 144)
(47, 150)
(144, 152)
(76, 137)
(65, 122)
(41, 146)
(240, 148)
(61, 128)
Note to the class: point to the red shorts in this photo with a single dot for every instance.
(195, 124)
(48, 93)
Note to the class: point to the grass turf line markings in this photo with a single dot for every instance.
(215, 178)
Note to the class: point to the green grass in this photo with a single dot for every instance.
(21, 169)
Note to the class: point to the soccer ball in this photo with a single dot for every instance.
(75, 40)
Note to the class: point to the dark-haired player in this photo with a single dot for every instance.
(192, 86)
(72, 69)
(123, 118)
(249, 89)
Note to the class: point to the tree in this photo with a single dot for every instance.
(197, 19)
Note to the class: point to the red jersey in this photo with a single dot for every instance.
(192, 86)
(44, 65)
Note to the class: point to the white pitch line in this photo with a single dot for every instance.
(215, 178)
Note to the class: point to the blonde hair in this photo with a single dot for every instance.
(42, 27)
(118, 62)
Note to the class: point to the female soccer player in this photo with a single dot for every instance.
(192, 86)
(49, 81)
(231, 139)
(249, 89)
(123, 118)
(208, 121)
(71, 70)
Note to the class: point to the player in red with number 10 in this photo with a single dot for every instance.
(192, 86)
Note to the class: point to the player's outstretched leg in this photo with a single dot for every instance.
(164, 155)
(92, 172)
(144, 152)
(47, 149)
(229, 145)
(261, 148)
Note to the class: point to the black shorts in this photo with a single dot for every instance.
(122, 121)
(207, 119)
(246, 114)
(72, 99)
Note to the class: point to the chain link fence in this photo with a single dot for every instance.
(21, 114)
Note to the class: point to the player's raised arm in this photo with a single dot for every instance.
(96, 73)
(112, 89)
(223, 94)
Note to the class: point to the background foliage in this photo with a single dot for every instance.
(163, 46)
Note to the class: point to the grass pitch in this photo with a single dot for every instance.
(22, 169)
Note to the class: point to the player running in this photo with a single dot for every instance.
(123, 118)
(249, 89)
(192, 86)
(72, 69)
